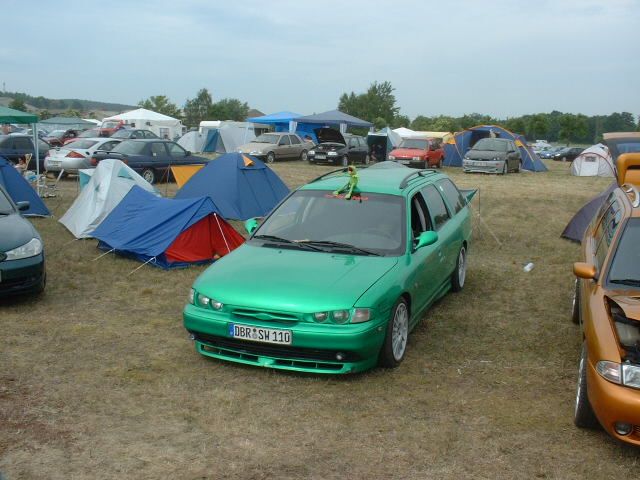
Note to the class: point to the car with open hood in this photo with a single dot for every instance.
(419, 152)
(337, 276)
(492, 155)
(273, 146)
(607, 304)
(338, 148)
(22, 264)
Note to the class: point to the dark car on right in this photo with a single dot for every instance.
(336, 148)
(567, 154)
(133, 133)
(151, 158)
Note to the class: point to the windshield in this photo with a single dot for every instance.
(122, 134)
(79, 144)
(56, 133)
(625, 267)
(369, 221)
(414, 143)
(492, 144)
(267, 138)
(5, 205)
(129, 148)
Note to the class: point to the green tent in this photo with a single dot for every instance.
(9, 115)
(67, 122)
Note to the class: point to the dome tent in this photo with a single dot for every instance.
(595, 161)
(458, 145)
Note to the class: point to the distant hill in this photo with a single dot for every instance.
(60, 105)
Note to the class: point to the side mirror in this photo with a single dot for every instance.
(188, 154)
(251, 225)
(426, 238)
(22, 206)
(584, 270)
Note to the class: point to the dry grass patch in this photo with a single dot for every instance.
(98, 380)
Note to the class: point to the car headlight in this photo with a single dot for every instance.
(311, 152)
(631, 375)
(332, 154)
(30, 249)
(496, 159)
(609, 370)
(392, 157)
(255, 152)
(340, 316)
(206, 302)
(416, 159)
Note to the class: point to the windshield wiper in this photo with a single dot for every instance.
(346, 246)
(633, 282)
(301, 243)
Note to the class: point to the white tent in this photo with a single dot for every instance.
(408, 133)
(110, 182)
(162, 125)
(595, 161)
(193, 141)
(225, 136)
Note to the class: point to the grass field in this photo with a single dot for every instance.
(98, 379)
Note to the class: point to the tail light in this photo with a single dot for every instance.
(73, 154)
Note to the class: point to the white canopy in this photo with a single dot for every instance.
(408, 133)
(595, 161)
(162, 125)
(109, 184)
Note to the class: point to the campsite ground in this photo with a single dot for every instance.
(99, 381)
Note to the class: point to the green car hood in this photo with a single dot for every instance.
(291, 280)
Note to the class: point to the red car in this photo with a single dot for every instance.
(109, 127)
(419, 152)
(57, 138)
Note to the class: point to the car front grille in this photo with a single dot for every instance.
(282, 353)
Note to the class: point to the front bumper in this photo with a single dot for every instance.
(482, 167)
(22, 276)
(73, 165)
(313, 349)
(324, 158)
(614, 403)
(411, 163)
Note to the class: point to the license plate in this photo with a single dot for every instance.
(321, 157)
(259, 334)
(404, 162)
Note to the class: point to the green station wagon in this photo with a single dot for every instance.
(334, 285)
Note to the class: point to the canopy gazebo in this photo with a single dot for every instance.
(9, 115)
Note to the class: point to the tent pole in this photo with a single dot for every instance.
(223, 237)
(34, 131)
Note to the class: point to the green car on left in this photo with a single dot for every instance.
(333, 282)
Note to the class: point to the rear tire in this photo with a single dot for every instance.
(395, 341)
(583, 415)
(149, 174)
(460, 273)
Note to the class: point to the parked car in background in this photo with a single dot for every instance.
(380, 258)
(109, 127)
(132, 133)
(16, 146)
(151, 158)
(57, 138)
(492, 155)
(338, 148)
(606, 305)
(22, 263)
(90, 133)
(567, 154)
(76, 155)
(272, 146)
(549, 152)
(419, 152)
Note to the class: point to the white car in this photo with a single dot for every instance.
(76, 155)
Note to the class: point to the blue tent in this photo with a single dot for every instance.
(334, 118)
(240, 186)
(19, 189)
(461, 142)
(166, 232)
(279, 118)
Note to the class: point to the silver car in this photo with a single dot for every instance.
(276, 146)
(76, 155)
(492, 155)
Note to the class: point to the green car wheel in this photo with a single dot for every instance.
(395, 342)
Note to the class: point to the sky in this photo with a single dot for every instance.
(503, 58)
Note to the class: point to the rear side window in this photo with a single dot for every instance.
(606, 230)
(436, 206)
(294, 140)
(157, 149)
(21, 143)
(452, 194)
(284, 140)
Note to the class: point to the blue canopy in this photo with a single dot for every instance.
(278, 117)
(19, 189)
(240, 186)
(461, 142)
(144, 226)
(334, 117)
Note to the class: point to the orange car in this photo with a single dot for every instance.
(607, 304)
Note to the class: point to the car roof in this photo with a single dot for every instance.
(147, 140)
(378, 179)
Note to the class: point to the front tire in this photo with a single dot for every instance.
(149, 174)
(303, 156)
(519, 166)
(460, 273)
(505, 169)
(583, 415)
(395, 341)
(366, 160)
(345, 161)
(271, 157)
